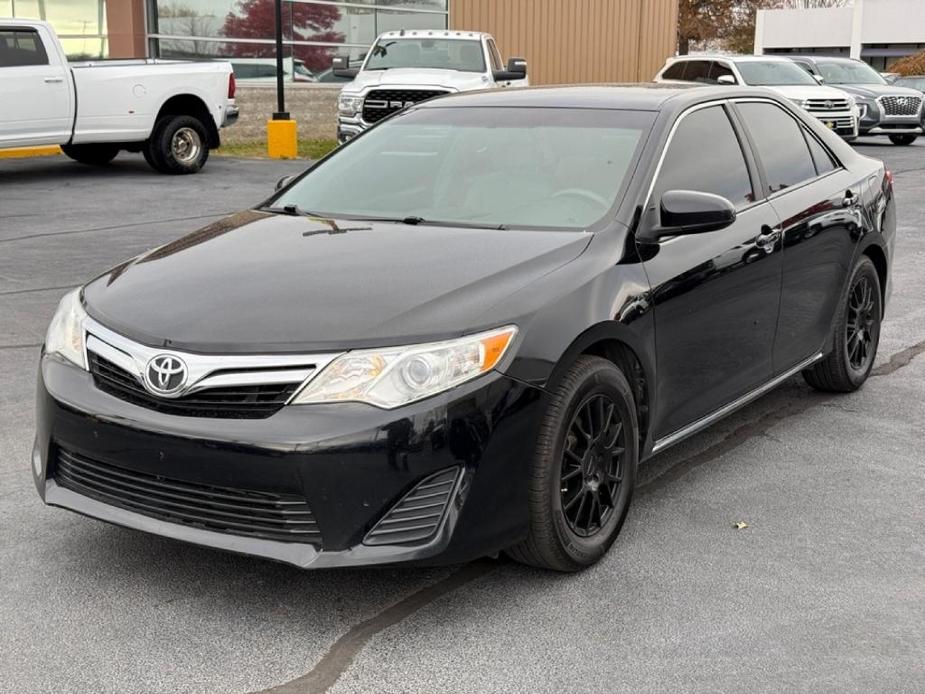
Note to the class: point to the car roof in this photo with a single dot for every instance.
(827, 58)
(648, 96)
(433, 34)
(731, 58)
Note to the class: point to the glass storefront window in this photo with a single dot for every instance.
(243, 31)
(80, 24)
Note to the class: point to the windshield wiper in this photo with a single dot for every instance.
(413, 220)
(292, 211)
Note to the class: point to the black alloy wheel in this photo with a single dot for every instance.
(592, 465)
(583, 469)
(856, 335)
(859, 328)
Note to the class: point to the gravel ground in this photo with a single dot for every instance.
(823, 591)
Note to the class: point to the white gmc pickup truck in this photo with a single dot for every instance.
(171, 111)
(406, 67)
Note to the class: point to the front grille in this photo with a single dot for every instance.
(901, 105)
(286, 518)
(846, 123)
(380, 103)
(826, 105)
(416, 518)
(231, 402)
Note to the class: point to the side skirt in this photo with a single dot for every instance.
(702, 423)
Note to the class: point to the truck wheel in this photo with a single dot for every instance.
(583, 469)
(907, 139)
(94, 155)
(178, 145)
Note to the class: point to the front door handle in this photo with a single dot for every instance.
(53, 80)
(767, 239)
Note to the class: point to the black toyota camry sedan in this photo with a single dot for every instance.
(460, 333)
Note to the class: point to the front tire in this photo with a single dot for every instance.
(583, 468)
(856, 337)
(92, 155)
(903, 140)
(178, 145)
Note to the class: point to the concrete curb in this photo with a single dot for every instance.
(24, 152)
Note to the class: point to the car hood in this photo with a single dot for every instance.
(809, 91)
(453, 80)
(258, 282)
(872, 91)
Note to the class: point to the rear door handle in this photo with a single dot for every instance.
(850, 199)
(52, 80)
(767, 239)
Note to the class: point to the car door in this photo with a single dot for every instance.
(715, 295)
(818, 201)
(34, 91)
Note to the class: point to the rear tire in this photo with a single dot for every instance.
(583, 469)
(903, 140)
(92, 155)
(178, 145)
(856, 336)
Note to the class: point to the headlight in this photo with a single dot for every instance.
(397, 376)
(348, 105)
(65, 335)
(851, 100)
(799, 102)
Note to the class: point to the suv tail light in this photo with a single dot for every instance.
(232, 85)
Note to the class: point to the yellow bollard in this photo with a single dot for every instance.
(282, 139)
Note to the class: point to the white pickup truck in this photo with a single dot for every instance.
(169, 110)
(405, 67)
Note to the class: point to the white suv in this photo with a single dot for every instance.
(836, 109)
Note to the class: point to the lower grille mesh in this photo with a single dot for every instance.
(285, 518)
(416, 518)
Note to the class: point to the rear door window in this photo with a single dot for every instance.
(702, 136)
(821, 157)
(698, 71)
(20, 47)
(780, 144)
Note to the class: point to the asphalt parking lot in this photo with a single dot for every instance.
(823, 591)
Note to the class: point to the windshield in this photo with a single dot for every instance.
(773, 73)
(510, 167)
(849, 73)
(444, 54)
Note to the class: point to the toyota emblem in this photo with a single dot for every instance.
(828, 105)
(165, 374)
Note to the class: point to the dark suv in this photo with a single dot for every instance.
(886, 109)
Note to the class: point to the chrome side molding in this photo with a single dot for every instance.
(702, 423)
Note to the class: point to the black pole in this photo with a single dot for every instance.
(281, 113)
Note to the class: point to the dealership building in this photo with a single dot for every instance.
(563, 40)
(879, 32)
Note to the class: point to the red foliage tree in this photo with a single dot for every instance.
(256, 19)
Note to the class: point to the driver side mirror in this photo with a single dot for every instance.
(340, 66)
(726, 79)
(516, 70)
(683, 212)
(283, 182)
(819, 78)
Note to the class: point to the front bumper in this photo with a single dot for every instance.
(842, 123)
(348, 128)
(351, 464)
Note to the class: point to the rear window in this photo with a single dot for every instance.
(20, 47)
